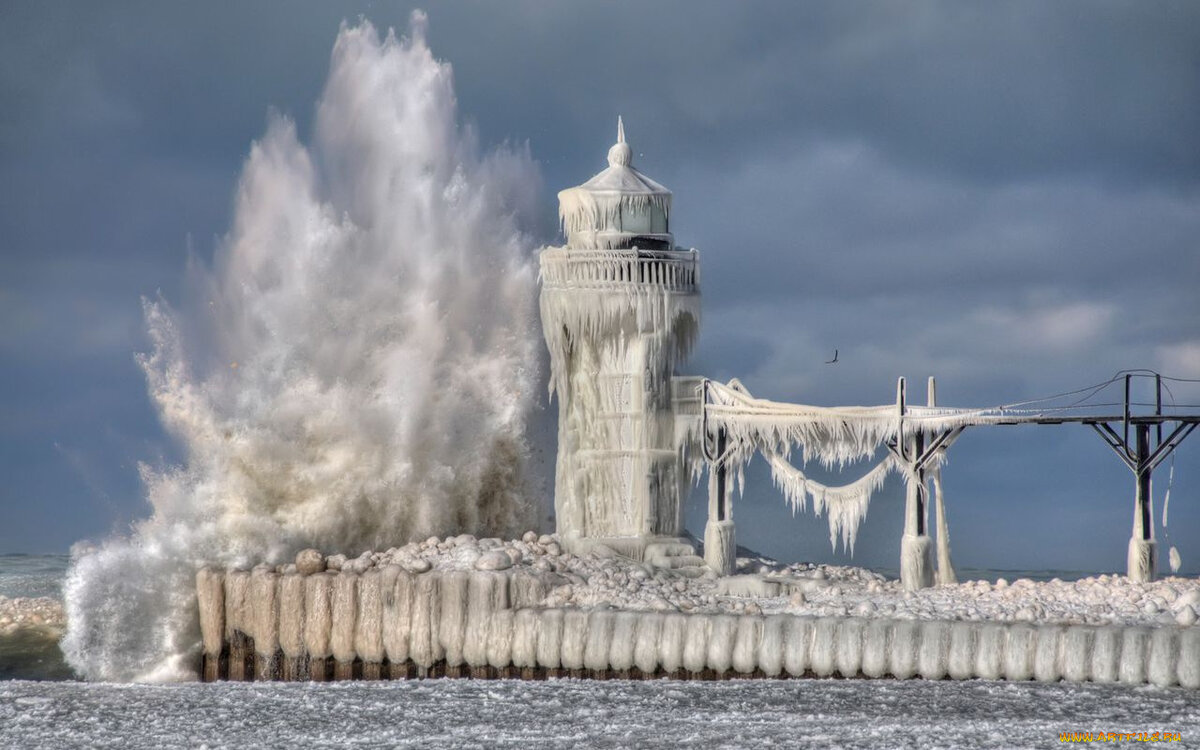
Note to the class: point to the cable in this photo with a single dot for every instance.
(1092, 388)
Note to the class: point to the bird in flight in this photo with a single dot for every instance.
(834, 360)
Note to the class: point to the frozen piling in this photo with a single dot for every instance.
(210, 601)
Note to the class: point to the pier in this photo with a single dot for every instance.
(394, 624)
(734, 426)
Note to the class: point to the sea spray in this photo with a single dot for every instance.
(357, 367)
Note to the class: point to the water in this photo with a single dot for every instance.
(32, 575)
(354, 371)
(32, 653)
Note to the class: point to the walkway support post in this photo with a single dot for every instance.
(1142, 559)
(1142, 458)
(720, 545)
(916, 564)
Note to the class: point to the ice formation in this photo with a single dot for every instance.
(834, 436)
(620, 308)
(360, 368)
(463, 602)
(30, 612)
(845, 505)
(616, 204)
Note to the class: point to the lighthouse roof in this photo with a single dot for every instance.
(598, 203)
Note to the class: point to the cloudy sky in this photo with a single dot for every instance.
(1005, 195)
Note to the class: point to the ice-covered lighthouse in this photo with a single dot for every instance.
(620, 308)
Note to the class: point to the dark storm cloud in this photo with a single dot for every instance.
(984, 90)
(828, 221)
(1004, 194)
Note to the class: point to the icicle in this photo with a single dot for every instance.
(846, 505)
(1173, 557)
(836, 436)
(945, 568)
(587, 310)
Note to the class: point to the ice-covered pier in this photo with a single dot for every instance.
(394, 623)
(621, 592)
(732, 426)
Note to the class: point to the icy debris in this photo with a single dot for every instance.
(1189, 599)
(335, 562)
(748, 586)
(494, 560)
(309, 561)
(40, 612)
(763, 584)
(417, 565)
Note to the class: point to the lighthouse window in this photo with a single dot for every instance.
(636, 220)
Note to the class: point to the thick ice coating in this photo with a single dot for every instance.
(550, 610)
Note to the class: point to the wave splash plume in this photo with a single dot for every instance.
(355, 370)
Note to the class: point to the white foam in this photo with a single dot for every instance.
(359, 366)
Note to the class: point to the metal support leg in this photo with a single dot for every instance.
(916, 564)
(1141, 561)
(720, 547)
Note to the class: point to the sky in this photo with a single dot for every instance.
(1004, 195)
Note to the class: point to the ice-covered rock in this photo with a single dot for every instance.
(360, 564)
(495, 560)
(335, 562)
(1191, 598)
(418, 565)
(747, 586)
(309, 561)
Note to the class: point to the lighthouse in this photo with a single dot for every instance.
(620, 308)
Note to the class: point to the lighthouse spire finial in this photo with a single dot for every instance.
(620, 155)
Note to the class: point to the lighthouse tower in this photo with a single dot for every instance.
(620, 308)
